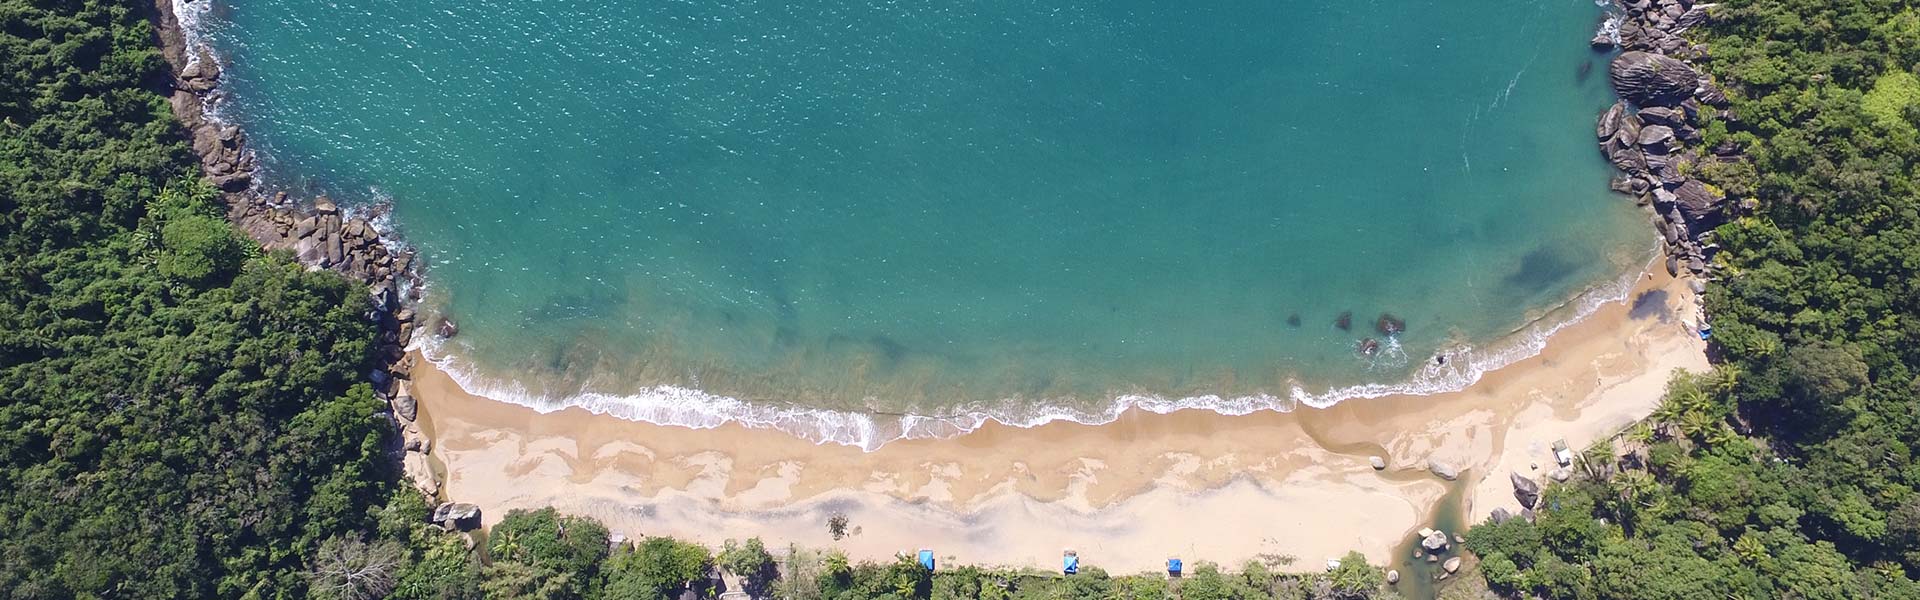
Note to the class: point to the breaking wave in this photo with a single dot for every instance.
(1464, 365)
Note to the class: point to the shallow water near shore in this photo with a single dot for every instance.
(823, 218)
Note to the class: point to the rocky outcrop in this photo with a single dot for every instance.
(456, 516)
(317, 232)
(1526, 490)
(1651, 134)
(1443, 470)
(1648, 79)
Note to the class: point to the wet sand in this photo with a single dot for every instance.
(1125, 495)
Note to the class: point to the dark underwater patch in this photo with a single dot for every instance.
(1543, 267)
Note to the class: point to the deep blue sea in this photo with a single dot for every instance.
(868, 219)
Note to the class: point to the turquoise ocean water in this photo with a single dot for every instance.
(863, 220)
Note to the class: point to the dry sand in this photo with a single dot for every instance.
(1125, 495)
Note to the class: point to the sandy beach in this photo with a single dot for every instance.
(1125, 495)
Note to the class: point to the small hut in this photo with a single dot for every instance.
(1069, 562)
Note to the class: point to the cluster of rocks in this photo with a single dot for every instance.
(1435, 546)
(1652, 134)
(319, 235)
(1387, 324)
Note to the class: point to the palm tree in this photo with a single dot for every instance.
(1597, 460)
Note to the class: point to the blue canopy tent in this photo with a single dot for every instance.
(926, 559)
(1070, 562)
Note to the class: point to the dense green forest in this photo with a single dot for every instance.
(182, 416)
(1788, 472)
(179, 416)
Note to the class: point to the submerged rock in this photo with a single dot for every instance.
(1647, 79)
(1344, 321)
(1293, 320)
(1369, 347)
(1388, 324)
(447, 328)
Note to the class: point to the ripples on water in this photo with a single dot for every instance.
(812, 215)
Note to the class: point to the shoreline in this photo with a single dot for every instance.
(1007, 494)
(698, 409)
(1124, 494)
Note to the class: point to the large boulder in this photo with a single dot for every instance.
(1647, 79)
(1500, 515)
(1699, 204)
(457, 515)
(1626, 156)
(1661, 115)
(405, 406)
(1525, 489)
(1443, 470)
(1435, 543)
(1379, 464)
(1656, 138)
(1693, 17)
(1610, 121)
(418, 471)
(412, 439)
(1452, 565)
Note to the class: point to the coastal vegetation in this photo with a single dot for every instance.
(1789, 471)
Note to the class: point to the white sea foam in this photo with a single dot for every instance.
(191, 15)
(696, 409)
(1611, 27)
